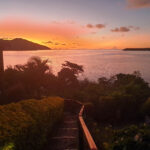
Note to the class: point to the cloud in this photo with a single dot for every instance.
(89, 26)
(48, 42)
(138, 3)
(121, 29)
(54, 43)
(57, 43)
(134, 27)
(98, 26)
(125, 29)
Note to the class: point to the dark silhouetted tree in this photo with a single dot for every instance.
(68, 78)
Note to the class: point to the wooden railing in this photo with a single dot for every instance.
(84, 134)
(86, 141)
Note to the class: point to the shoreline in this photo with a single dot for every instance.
(136, 49)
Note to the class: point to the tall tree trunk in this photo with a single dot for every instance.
(1, 62)
(1, 77)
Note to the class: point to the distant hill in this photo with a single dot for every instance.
(136, 49)
(20, 44)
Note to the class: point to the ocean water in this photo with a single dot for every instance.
(97, 63)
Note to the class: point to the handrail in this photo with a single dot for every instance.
(86, 132)
(81, 111)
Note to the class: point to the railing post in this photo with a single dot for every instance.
(1, 61)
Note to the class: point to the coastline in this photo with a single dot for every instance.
(136, 49)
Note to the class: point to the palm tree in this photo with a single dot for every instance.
(34, 74)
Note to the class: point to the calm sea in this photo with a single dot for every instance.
(97, 63)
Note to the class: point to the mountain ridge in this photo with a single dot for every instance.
(20, 44)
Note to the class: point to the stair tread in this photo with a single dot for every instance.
(66, 136)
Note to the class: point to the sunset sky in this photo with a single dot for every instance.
(77, 24)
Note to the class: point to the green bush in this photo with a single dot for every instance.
(146, 108)
(26, 124)
(132, 138)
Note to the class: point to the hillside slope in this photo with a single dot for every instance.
(21, 44)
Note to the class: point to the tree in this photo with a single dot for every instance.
(31, 77)
(75, 68)
(68, 77)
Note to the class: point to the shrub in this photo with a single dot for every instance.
(146, 108)
(132, 138)
(26, 124)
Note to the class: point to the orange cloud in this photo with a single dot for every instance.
(89, 26)
(98, 26)
(138, 3)
(121, 29)
(125, 29)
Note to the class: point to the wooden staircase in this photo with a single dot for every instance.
(72, 132)
(66, 137)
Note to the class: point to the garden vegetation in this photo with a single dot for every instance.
(114, 103)
(25, 125)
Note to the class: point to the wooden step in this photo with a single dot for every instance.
(67, 132)
(66, 136)
(64, 142)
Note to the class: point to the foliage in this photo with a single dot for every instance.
(35, 79)
(119, 98)
(8, 146)
(114, 102)
(68, 78)
(102, 134)
(26, 79)
(131, 138)
(145, 109)
(76, 69)
(27, 123)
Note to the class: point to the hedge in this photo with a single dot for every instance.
(26, 124)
